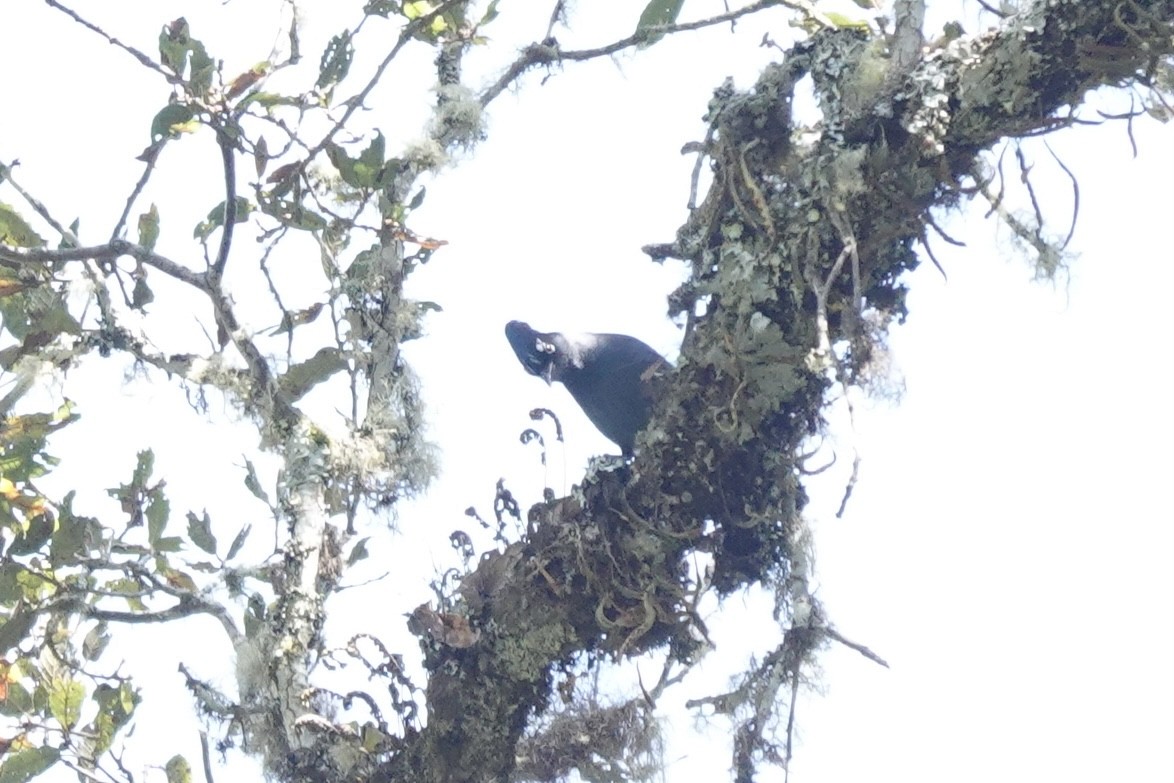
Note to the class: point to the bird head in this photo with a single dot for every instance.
(536, 351)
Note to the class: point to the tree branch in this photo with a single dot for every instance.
(548, 51)
(227, 146)
(601, 571)
(187, 605)
(135, 53)
(109, 252)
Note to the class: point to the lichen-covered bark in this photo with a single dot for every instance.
(796, 249)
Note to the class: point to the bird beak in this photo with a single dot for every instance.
(546, 372)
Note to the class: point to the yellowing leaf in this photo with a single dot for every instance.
(15, 231)
(65, 701)
(845, 22)
(149, 227)
(178, 770)
(9, 286)
(417, 9)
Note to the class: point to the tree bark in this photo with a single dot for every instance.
(797, 253)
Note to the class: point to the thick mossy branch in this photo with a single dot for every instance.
(796, 245)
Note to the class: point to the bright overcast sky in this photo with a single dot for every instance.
(1008, 548)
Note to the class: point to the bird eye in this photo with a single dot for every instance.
(544, 347)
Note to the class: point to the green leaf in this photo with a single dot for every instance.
(123, 548)
(200, 532)
(9, 585)
(74, 538)
(174, 42)
(74, 229)
(269, 100)
(178, 770)
(131, 590)
(293, 214)
(260, 156)
(414, 10)
(23, 438)
(168, 544)
(656, 14)
(365, 171)
(253, 484)
(358, 552)
(439, 23)
(490, 13)
(142, 295)
(16, 629)
(39, 530)
(297, 381)
(55, 319)
(336, 60)
(254, 615)
(15, 231)
(202, 69)
(844, 22)
(128, 698)
(418, 199)
(24, 765)
(115, 708)
(18, 701)
(149, 228)
(33, 586)
(371, 159)
(344, 163)
(215, 218)
(172, 120)
(144, 467)
(157, 512)
(99, 736)
(238, 542)
(95, 642)
(178, 579)
(65, 701)
(14, 316)
(186, 57)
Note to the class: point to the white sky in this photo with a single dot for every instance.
(1008, 547)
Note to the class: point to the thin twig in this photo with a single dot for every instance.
(1025, 178)
(1075, 195)
(38, 207)
(206, 757)
(832, 633)
(932, 256)
(135, 53)
(228, 160)
(355, 102)
(695, 177)
(546, 53)
(559, 14)
(152, 157)
(992, 9)
(821, 291)
(942, 232)
(790, 726)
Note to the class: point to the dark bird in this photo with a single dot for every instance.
(607, 374)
